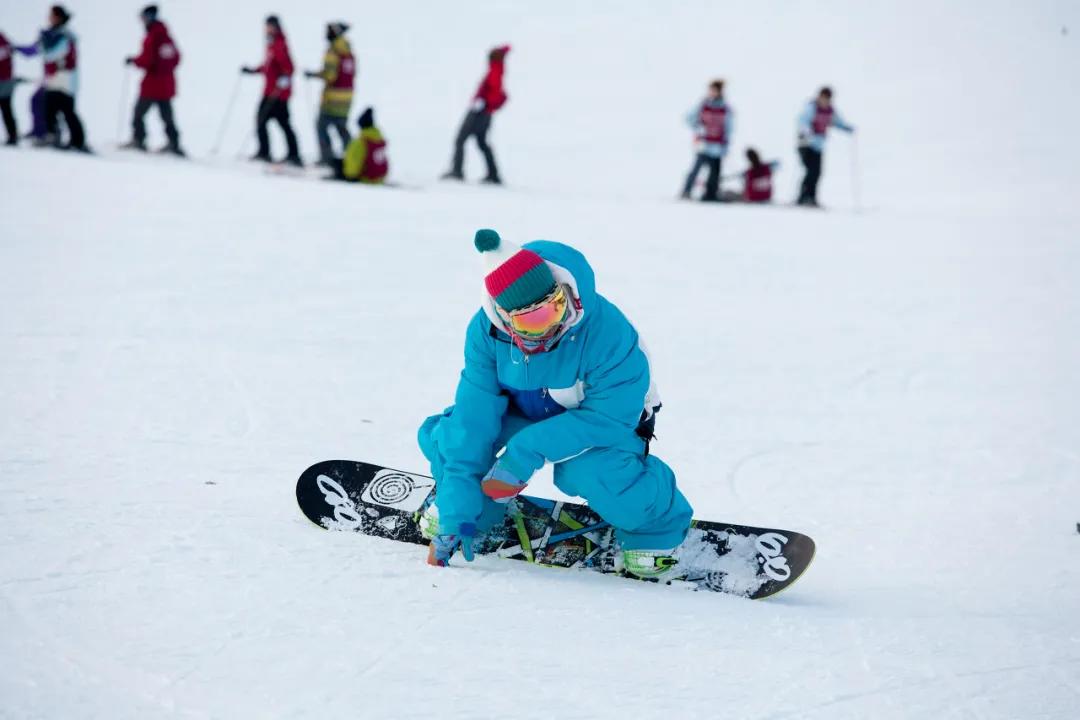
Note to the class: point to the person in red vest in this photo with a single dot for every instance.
(7, 87)
(277, 70)
(159, 58)
(365, 159)
(814, 122)
(337, 73)
(489, 97)
(713, 121)
(757, 179)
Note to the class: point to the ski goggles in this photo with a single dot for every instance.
(540, 320)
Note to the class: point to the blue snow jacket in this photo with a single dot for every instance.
(588, 391)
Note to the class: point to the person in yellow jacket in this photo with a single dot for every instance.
(338, 74)
(365, 159)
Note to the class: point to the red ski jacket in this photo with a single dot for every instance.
(491, 87)
(159, 58)
(277, 69)
(5, 58)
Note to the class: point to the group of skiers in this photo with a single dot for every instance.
(713, 121)
(364, 156)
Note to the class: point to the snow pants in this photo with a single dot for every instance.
(9, 120)
(811, 160)
(58, 104)
(633, 491)
(138, 121)
(278, 111)
(712, 180)
(476, 124)
(322, 129)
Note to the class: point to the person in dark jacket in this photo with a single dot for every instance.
(489, 97)
(277, 70)
(159, 58)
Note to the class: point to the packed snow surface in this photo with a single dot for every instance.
(178, 341)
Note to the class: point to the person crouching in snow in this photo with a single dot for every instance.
(365, 158)
(553, 373)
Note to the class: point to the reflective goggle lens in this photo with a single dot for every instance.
(540, 319)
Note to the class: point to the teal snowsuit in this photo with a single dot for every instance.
(576, 405)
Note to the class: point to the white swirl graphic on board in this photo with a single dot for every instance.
(397, 490)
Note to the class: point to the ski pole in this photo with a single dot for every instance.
(856, 174)
(228, 114)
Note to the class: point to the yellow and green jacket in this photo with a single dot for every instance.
(338, 74)
(365, 159)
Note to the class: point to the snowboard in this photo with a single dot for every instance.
(382, 502)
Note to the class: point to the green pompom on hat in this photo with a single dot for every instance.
(516, 278)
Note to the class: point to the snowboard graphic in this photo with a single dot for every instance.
(720, 557)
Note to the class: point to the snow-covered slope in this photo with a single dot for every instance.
(178, 341)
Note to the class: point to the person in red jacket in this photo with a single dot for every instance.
(7, 87)
(277, 69)
(757, 179)
(489, 98)
(159, 58)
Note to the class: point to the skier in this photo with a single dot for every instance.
(337, 74)
(277, 69)
(159, 58)
(365, 159)
(553, 373)
(57, 46)
(7, 88)
(713, 121)
(489, 97)
(814, 122)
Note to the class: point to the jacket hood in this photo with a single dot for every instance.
(569, 267)
(340, 44)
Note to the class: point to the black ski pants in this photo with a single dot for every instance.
(811, 160)
(138, 123)
(9, 119)
(60, 103)
(476, 124)
(278, 111)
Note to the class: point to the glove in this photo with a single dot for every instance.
(503, 481)
(248, 71)
(442, 547)
(312, 74)
(129, 61)
(478, 104)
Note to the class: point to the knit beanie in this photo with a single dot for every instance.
(367, 118)
(516, 278)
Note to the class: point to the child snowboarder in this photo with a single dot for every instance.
(365, 159)
(553, 373)
(159, 58)
(489, 97)
(713, 121)
(277, 70)
(814, 122)
(338, 73)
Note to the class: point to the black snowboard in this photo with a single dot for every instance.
(373, 500)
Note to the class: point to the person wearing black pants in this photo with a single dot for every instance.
(278, 111)
(811, 160)
(61, 103)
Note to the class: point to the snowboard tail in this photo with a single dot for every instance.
(382, 502)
